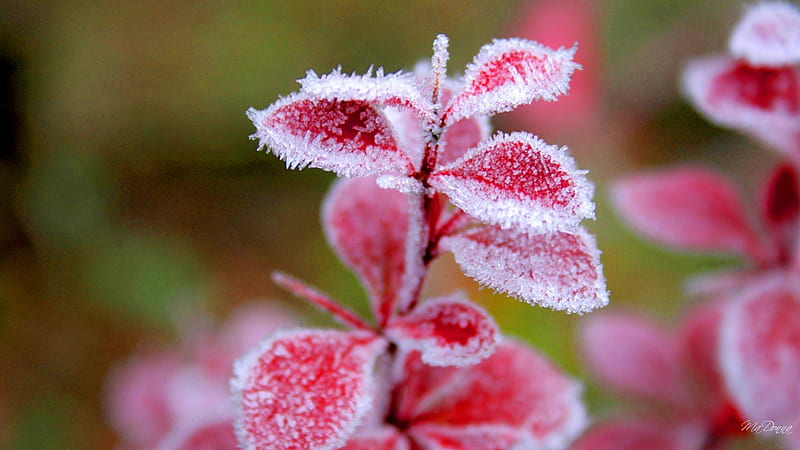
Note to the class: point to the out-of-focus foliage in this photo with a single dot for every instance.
(131, 193)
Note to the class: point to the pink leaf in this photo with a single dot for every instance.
(760, 343)
(304, 389)
(508, 73)
(737, 95)
(462, 136)
(396, 89)
(559, 270)
(498, 391)
(698, 345)
(211, 435)
(348, 137)
(367, 226)
(563, 22)
(384, 438)
(449, 331)
(479, 437)
(136, 397)
(635, 356)
(690, 208)
(637, 434)
(780, 207)
(768, 35)
(517, 180)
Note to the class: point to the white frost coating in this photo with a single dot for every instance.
(527, 85)
(439, 354)
(394, 89)
(406, 185)
(698, 79)
(536, 277)
(577, 421)
(439, 65)
(500, 205)
(307, 150)
(768, 35)
(415, 247)
(408, 131)
(247, 363)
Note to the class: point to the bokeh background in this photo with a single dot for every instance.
(131, 193)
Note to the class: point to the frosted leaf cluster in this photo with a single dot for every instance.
(741, 347)
(362, 125)
(755, 89)
(427, 178)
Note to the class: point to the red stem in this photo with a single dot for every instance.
(320, 300)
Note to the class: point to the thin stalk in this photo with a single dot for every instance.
(320, 300)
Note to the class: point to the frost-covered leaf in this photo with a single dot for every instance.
(559, 270)
(517, 180)
(648, 433)
(760, 348)
(780, 208)
(396, 89)
(498, 392)
(448, 331)
(348, 137)
(478, 437)
(211, 435)
(748, 98)
(383, 438)
(367, 227)
(508, 73)
(691, 208)
(635, 356)
(304, 389)
(768, 35)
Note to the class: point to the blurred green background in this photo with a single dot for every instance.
(131, 191)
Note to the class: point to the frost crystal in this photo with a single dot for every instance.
(518, 181)
(449, 331)
(559, 270)
(304, 389)
(511, 72)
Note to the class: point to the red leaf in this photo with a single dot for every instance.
(514, 388)
(480, 437)
(212, 435)
(768, 35)
(367, 226)
(760, 348)
(304, 389)
(396, 89)
(559, 270)
(637, 434)
(780, 207)
(349, 137)
(563, 22)
(384, 438)
(517, 180)
(635, 356)
(508, 73)
(699, 350)
(689, 208)
(462, 136)
(751, 99)
(449, 331)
